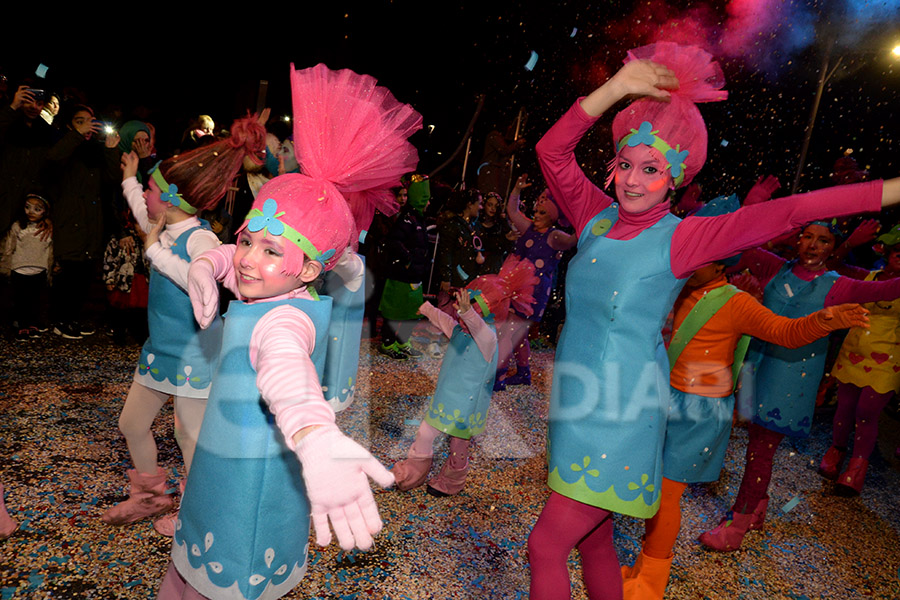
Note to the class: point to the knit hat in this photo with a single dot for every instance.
(673, 127)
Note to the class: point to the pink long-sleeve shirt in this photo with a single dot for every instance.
(697, 241)
(281, 348)
(765, 265)
(485, 337)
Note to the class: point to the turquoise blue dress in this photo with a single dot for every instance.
(344, 334)
(243, 528)
(178, 357)
(786, 380)
(463, 393)
(610, 392)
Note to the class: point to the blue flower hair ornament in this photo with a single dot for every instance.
(267, 220)
(646, 135)
(168, 192)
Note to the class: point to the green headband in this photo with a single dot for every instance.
(674, 156)
(169, 192)
(267, 220)
(482, 304)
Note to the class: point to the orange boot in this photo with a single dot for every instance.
(649, 582)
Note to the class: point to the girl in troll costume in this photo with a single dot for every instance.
(461, 399)
(610, 388)
(269, 453)
(868, 375)
(177, 358)
(785, 381)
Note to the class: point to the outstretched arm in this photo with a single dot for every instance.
(846, 289)
(335, 468)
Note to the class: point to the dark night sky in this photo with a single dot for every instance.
(442, 59)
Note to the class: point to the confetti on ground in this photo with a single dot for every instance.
(63, 462)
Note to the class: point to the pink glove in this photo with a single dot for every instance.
(762, 191)
(203, 291)
(865, 232)
(335, 469)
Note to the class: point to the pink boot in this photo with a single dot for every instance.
(165, 525)
(411, 472)
(453, 473)
(850, 482)
(146, 498)
(729, 534)
(7, 525)
(759, 515)
(831, 463)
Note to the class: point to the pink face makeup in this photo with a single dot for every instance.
(641, 179)
(258, 264)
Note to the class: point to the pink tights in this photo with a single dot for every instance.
(512, 340)
(757, 468)
(860, 407)
(174, 587)
(565, 524)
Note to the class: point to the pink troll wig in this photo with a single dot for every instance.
(203, 175)
(676, 121)
(512, 287)
(350, 137)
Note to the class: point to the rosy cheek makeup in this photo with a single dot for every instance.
(655, 186)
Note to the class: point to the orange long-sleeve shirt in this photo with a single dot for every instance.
(704, 366)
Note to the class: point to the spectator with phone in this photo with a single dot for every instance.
(79, 166)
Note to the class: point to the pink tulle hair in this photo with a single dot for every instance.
(512, 287)
(677, 119)
(354, 133)
(350, 138)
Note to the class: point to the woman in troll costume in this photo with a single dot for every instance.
(785, 381)
(542, 244)
(177, 359)
(269, 453)
(610, 388)
(868, 374)
(462, 396)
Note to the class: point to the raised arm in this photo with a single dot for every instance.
(519, 221)
(700, 240)
(438, 318)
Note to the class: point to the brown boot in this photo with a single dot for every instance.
(453, 473)
(146, 498)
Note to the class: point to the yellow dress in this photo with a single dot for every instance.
(871, 357)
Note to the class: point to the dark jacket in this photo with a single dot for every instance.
(404, 248)
(22, 153)
(83, 171)
(456, 252)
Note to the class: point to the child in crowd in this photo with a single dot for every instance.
(461, 399)
(27, 257)
(269, 452)
(177, 358)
